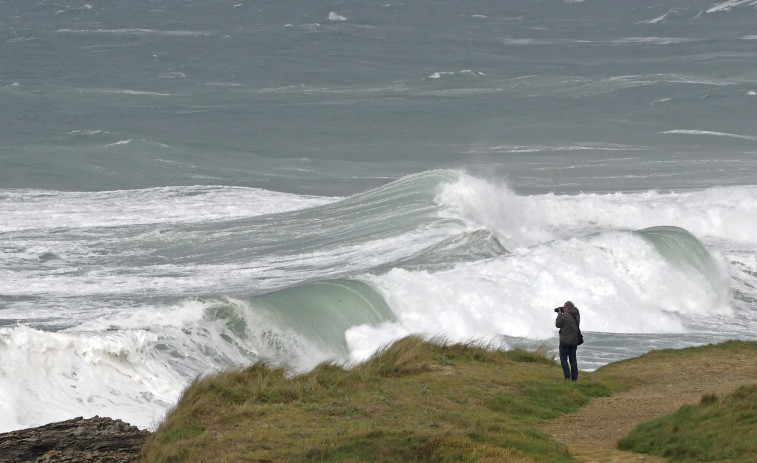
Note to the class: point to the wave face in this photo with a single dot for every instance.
(126, 296)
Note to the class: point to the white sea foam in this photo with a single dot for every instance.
(131, 363)
(68, 282)
(135, 31)
(651, 40)
(659, 18)
(86, 132)
(172, 75)
(131, 92)
(586, 146)
(688, 79)
(577, 245)
(120, 142)
(724, 213)
(729, 5)
(464, 72)
(438, 75)
(711, 133)
(134, 365)
(33, 209)
(522, 41)
(333, 16)
(622, 283)
(48, 376)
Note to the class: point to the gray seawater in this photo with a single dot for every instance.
(189, 185)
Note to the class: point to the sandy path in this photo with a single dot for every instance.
(663, 383)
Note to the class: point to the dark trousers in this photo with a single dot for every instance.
(568, 354)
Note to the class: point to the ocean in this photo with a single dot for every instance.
(192, 185)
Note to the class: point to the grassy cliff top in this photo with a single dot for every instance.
(416, 400)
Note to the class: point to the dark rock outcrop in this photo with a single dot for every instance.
(74, 441)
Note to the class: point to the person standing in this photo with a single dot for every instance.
(568, 320)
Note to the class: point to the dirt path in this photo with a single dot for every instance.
(663, 383)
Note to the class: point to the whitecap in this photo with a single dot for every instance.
(710, 132)
(464, 72)
(172, 75)
(730, 4)
(130, 92)
(120, 142)
(135, 31)
(54, 376)
(186, 204)
(85, 132)
(659, 18)
(650, 40)
(524, 42)
(584, 146)
(336, 17)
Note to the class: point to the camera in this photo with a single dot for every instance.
(559, 309)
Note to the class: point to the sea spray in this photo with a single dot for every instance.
(53, 376)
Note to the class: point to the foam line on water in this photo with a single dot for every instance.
(42, 209)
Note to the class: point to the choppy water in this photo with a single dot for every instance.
(186, 186)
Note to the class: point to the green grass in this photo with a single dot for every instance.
(417, 400)
(428, 401)
(718, 429)
(536, 401)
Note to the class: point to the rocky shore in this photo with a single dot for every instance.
(77, 440)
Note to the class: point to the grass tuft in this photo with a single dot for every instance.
(537, 401)
(718, 429)
(409, 355)
(541, 354)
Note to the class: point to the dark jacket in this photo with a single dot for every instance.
(568, 326)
